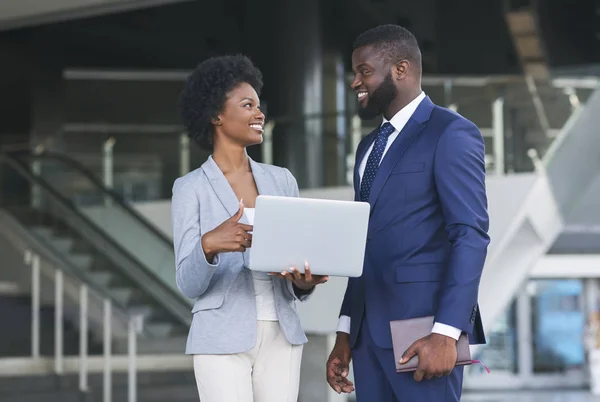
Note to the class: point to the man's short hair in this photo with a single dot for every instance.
(393, 43)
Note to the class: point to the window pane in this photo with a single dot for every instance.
(558, 326)
(500, 352)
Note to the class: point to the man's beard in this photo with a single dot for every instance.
(379, 100)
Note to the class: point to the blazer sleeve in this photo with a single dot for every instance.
(345, 309)
(193, 271)
(459, 171)
(293, 191)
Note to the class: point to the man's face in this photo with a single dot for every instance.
(373, 82)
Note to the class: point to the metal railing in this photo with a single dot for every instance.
(33, 260)
(501, 132)
(128, 262)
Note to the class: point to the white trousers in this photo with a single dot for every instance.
(269, 372)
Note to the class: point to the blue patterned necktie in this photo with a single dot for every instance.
(374, 159)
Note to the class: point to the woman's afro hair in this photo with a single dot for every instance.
(205, 93)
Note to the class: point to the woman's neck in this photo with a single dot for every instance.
(232, 160)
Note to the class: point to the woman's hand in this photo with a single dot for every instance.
(305, 281)
(230, 235)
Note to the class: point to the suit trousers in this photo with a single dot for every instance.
(376, 379)
(269, 372)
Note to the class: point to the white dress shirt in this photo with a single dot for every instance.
(398, 121)
(263, 286)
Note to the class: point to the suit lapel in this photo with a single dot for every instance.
(410, 131)
(221, 186)
(223, 189)
(264, 182)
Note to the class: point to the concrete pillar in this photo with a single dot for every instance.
(14, 130)
(306, 81)
(298, 90)
(15, 96)
(498, 126)
(47, 104)
(47, 89)
(335, 121)
(591, 296)
(336, 88)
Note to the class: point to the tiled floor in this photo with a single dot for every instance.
(527, 396)
(531, 396)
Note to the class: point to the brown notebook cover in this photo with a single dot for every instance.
(406, 332)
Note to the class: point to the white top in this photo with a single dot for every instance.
(398, 121)
(263, 286)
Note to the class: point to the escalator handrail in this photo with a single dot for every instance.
(79, 167)
(174, 296)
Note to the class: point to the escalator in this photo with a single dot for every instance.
(526, 232)
(96, 237)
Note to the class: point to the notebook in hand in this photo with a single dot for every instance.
(406, 332)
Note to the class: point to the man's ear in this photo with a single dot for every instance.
(400, 69)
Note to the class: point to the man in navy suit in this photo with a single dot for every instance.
(423, 172)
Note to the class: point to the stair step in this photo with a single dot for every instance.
(62, 244)
(43, 231)
(9, 288)
(154, 315)
(102, 278)
(176, 386)
(83, 261)
(143, 310)
(122, 295)
(170, 345)
(158, 329)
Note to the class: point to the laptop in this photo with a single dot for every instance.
(330, 235)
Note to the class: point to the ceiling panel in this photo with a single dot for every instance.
(23, 13)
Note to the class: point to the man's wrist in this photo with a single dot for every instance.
(342, 337)
(444, 338)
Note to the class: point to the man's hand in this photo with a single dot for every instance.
(338, 365)
(437, 356)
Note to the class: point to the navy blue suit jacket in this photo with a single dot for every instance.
(427, 238)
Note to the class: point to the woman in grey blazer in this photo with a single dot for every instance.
(245, 336)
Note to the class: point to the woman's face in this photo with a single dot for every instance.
(241, 120)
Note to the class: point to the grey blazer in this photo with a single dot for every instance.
(224, 312)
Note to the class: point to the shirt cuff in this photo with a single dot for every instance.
(344, 324)
(446, 330)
